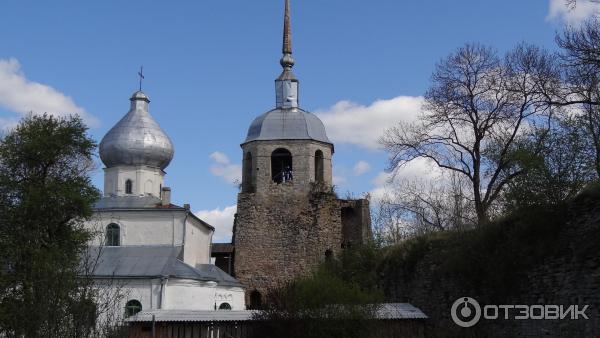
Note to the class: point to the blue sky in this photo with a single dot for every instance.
(210, 67)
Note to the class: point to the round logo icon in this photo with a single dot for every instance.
(466, 312)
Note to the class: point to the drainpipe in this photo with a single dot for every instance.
(163, 292)
(187, 213)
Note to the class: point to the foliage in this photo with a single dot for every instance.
(336, 301)
(580, 67)
(491, 257)
(46, 196)
(356, 266)
(320, 190)
(555, 174)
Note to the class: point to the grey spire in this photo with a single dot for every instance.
(286, 86)
(287, 60)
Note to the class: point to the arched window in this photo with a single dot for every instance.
(247, 184)
(132, 307)
(255, 300)
(128, 187)
(328, 254)
(281, 166)
(113, 235)
(318, 166)
(225, 306)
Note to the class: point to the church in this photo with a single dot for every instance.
(289, 218)
(155, 252)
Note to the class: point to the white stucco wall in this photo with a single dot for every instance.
(156, 227)
(179, 294)
(144, 227)
(145, 180)
(185, 294)
(198, 239)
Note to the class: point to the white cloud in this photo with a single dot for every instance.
(339, 179)
(220, 158)
(22, 96)
(361, 167)
(352, 123)
(583, 10)
(419, 169)
(222, 220)
(230, 172)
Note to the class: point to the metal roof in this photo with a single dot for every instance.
(222, 248)
(192, 316)
(287, 124)
(137, 139)
(386, 311)
(399, 311)
(128, 202)
(153, 262)
(139, 203)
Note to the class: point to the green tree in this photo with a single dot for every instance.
(46, 195)
(554, 173)
(338, 300)
(580, 61)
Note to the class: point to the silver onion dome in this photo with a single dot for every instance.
(137, 139)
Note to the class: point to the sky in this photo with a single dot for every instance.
(209, 68)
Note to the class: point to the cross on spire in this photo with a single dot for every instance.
(141, 75)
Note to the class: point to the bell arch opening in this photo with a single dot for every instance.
(282, 169)
(319, 168)
(247, 177)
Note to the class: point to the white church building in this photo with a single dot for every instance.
(155, 253)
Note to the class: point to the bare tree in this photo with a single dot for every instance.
(476, 110)
(413, 207)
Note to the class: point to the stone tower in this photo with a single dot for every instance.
(288, 219)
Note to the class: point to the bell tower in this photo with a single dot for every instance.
(289, 219)
(287, 144)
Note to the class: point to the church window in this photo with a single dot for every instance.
(319, 166)
(328, 254)
(281, 166)
(132, 307)
(225, 306)
(247, 185)
(113, 235)
(128, 187)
